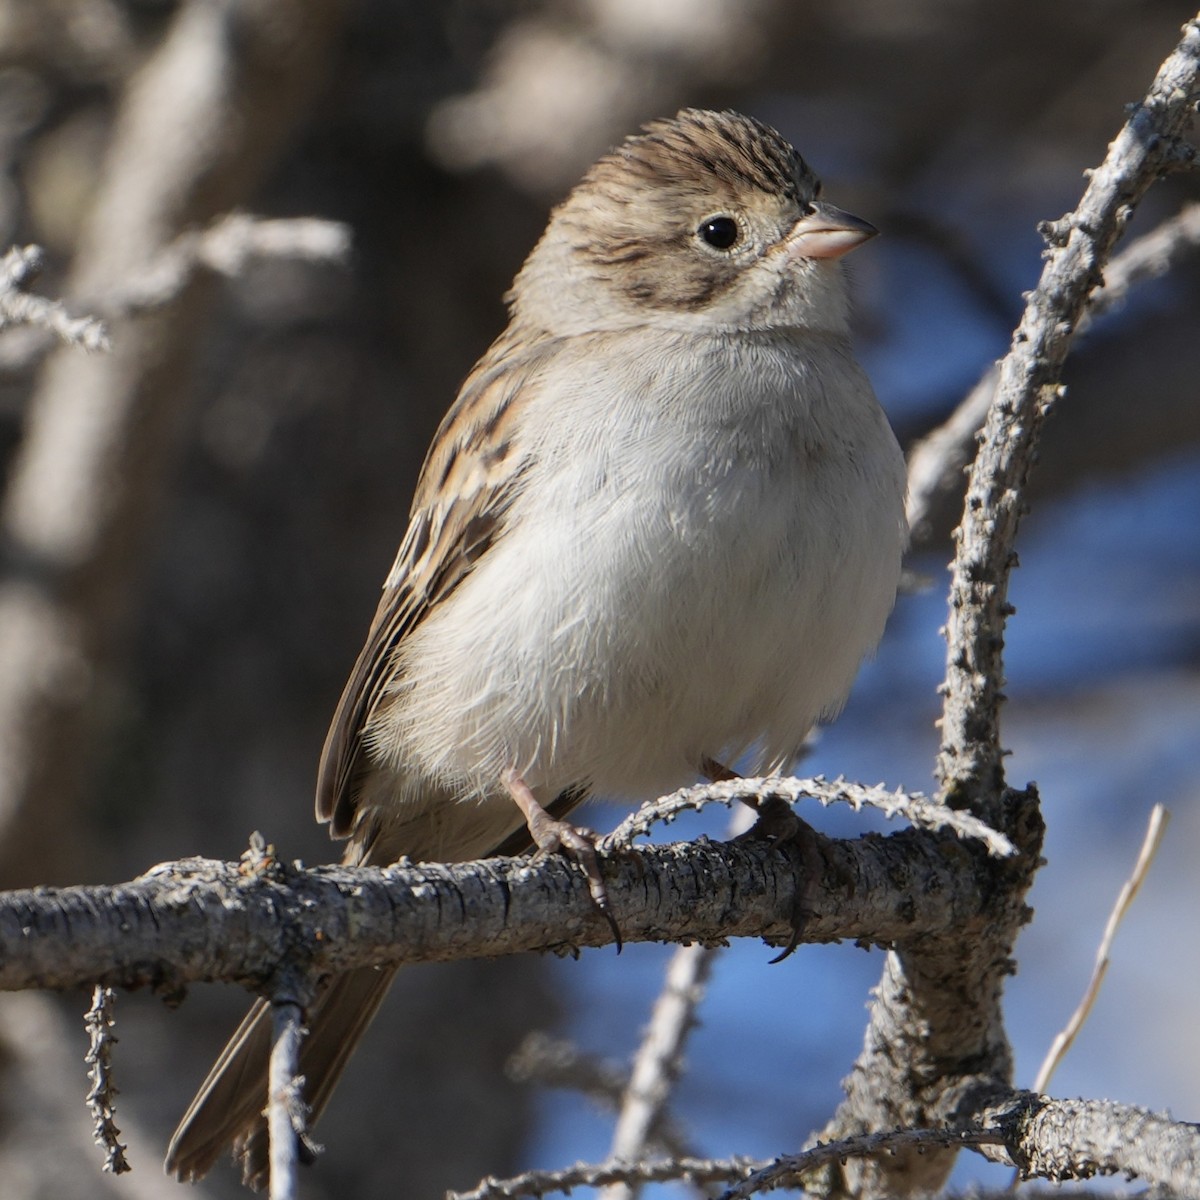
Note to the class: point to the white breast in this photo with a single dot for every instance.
(707, 547)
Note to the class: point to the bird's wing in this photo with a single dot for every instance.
(475, 469)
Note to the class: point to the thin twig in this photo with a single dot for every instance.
(754, 1176)
(786, 1170)
(558, 1063)
(659, 1059)
(1062, 1043)
(20, 265)
(914, 807)
(936, 462)
(543, 1183)
(547, 1061)
(18, 307)
(285, 1108)
(936, 1020)
(1148, 257)
(227, 247)
(102, 1096)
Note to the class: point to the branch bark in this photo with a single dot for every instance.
(202, 920)
(1060, 1140)
(936, 1048)
(970, 764)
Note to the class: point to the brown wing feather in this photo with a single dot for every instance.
(472, 474)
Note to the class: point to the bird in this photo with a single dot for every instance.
(660, 527)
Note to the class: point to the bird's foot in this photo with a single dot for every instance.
(552, 836)
(778, 823)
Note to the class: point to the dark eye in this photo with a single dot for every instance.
(719, 232)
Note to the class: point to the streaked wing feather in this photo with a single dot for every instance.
(472, 474)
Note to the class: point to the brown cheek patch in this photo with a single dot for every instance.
(685, 285)
(662, 272)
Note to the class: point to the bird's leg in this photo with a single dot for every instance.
(551, 835)
(716, 772)
(778, 822)
(776, 818)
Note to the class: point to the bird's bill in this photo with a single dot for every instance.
(828, 232)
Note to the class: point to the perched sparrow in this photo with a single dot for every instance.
(660, 526)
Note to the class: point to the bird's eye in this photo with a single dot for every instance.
(719, 232)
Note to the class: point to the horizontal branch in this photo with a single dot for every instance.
(203, 920)
(1059, 1140)
(1064, 1140)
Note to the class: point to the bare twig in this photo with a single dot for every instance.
(659, 1059)
(18, 307)
(936, 1046)
(1148, 257)
(787, 1170)
(754, 1176)
(557, 1063)
(1059, 1140)
(196, 127)
(102, 1096)
(286, 1110)
(970, 764)
(596, 1175)
(912, 806)
(42, 1119)
(1062, 1043)
(936, 462)
(227, 247)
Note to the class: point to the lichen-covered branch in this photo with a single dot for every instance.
(204, 920)
(935, 1047)
(936, 463)
(970, 764)
(1057, 1140)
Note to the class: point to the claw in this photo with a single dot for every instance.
(778, 822)
(551, 835)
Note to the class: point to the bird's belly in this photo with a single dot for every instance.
(616, 643)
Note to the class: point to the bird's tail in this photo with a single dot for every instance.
(229, 1107)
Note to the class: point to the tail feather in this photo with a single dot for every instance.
(230, 1105)
(230, 1098)
(229, 1108)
